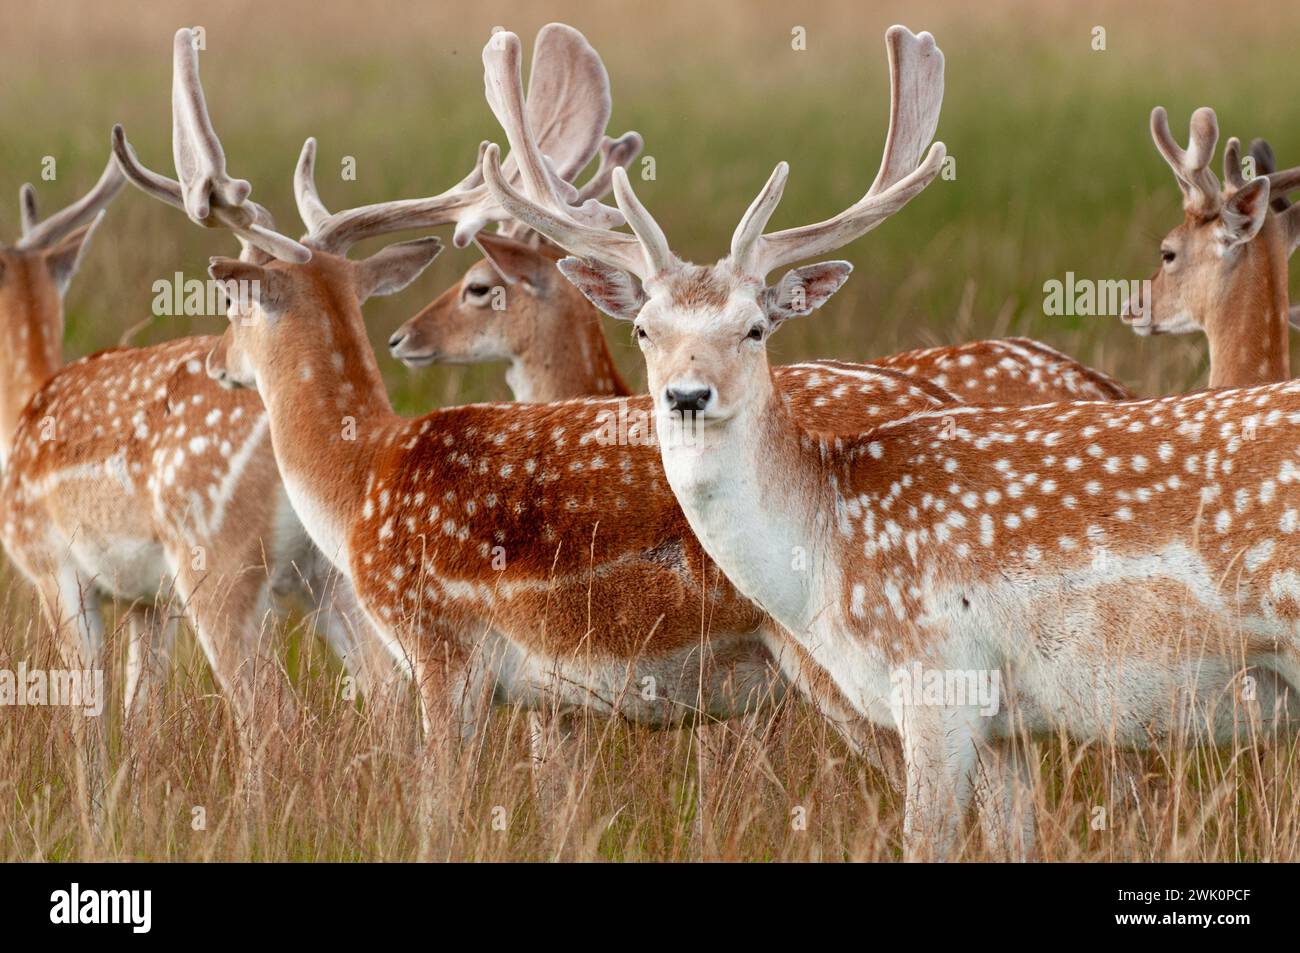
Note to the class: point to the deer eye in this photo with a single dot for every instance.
(640, 333)
(755, 333)
(478, 290)
(1167, 255)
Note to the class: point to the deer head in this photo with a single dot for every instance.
(703, 329)
(34, 274)
(1228, 257)
(514, 301)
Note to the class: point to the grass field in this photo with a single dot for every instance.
(1056, 173)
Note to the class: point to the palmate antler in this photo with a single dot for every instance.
(916, 75)
(568, 105)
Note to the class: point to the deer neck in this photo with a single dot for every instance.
(1248, 331)
(572, 365)
(35, 350)
(330, 421)
(752, 492)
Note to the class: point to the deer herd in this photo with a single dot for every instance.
(1120, 565)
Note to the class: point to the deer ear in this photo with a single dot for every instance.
(805, 289)
(1243, 213)
(391, 269)
(64, 259)
(247, 284)
(514, 260)
(610, 289)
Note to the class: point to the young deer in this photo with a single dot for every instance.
(1114, 567)
(1225, 268)
(129, 474)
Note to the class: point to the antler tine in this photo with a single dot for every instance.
(552, 219)
(336, 233)
(916, 96)
(200, 161)
(654, 244)
(1232, 174)
(58, 225)
(614, 154)
(1191, 167)
(1266, 164)
(310, 208)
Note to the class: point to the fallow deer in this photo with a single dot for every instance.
(1224, 270)
(130, 474)
(1110, 568)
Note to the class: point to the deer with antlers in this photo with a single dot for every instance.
(516, 553)
(129, 474)
(1224, 270)
(1109, 568)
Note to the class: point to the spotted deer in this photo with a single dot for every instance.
(129, 474)
(1224, 270)
(1109, 569)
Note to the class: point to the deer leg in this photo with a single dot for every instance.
(229, 607)
(555, 740)
(151, 632)
(940, 752)
(383, 677)
(72, 607)
(455, 686)
(1003, 798)
(878, 747)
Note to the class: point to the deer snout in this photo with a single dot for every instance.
(683, 400)
(408, 345)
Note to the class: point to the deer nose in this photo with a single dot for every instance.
(683, 400)
(396, 340)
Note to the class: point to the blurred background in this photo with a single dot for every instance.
(1056, 171)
